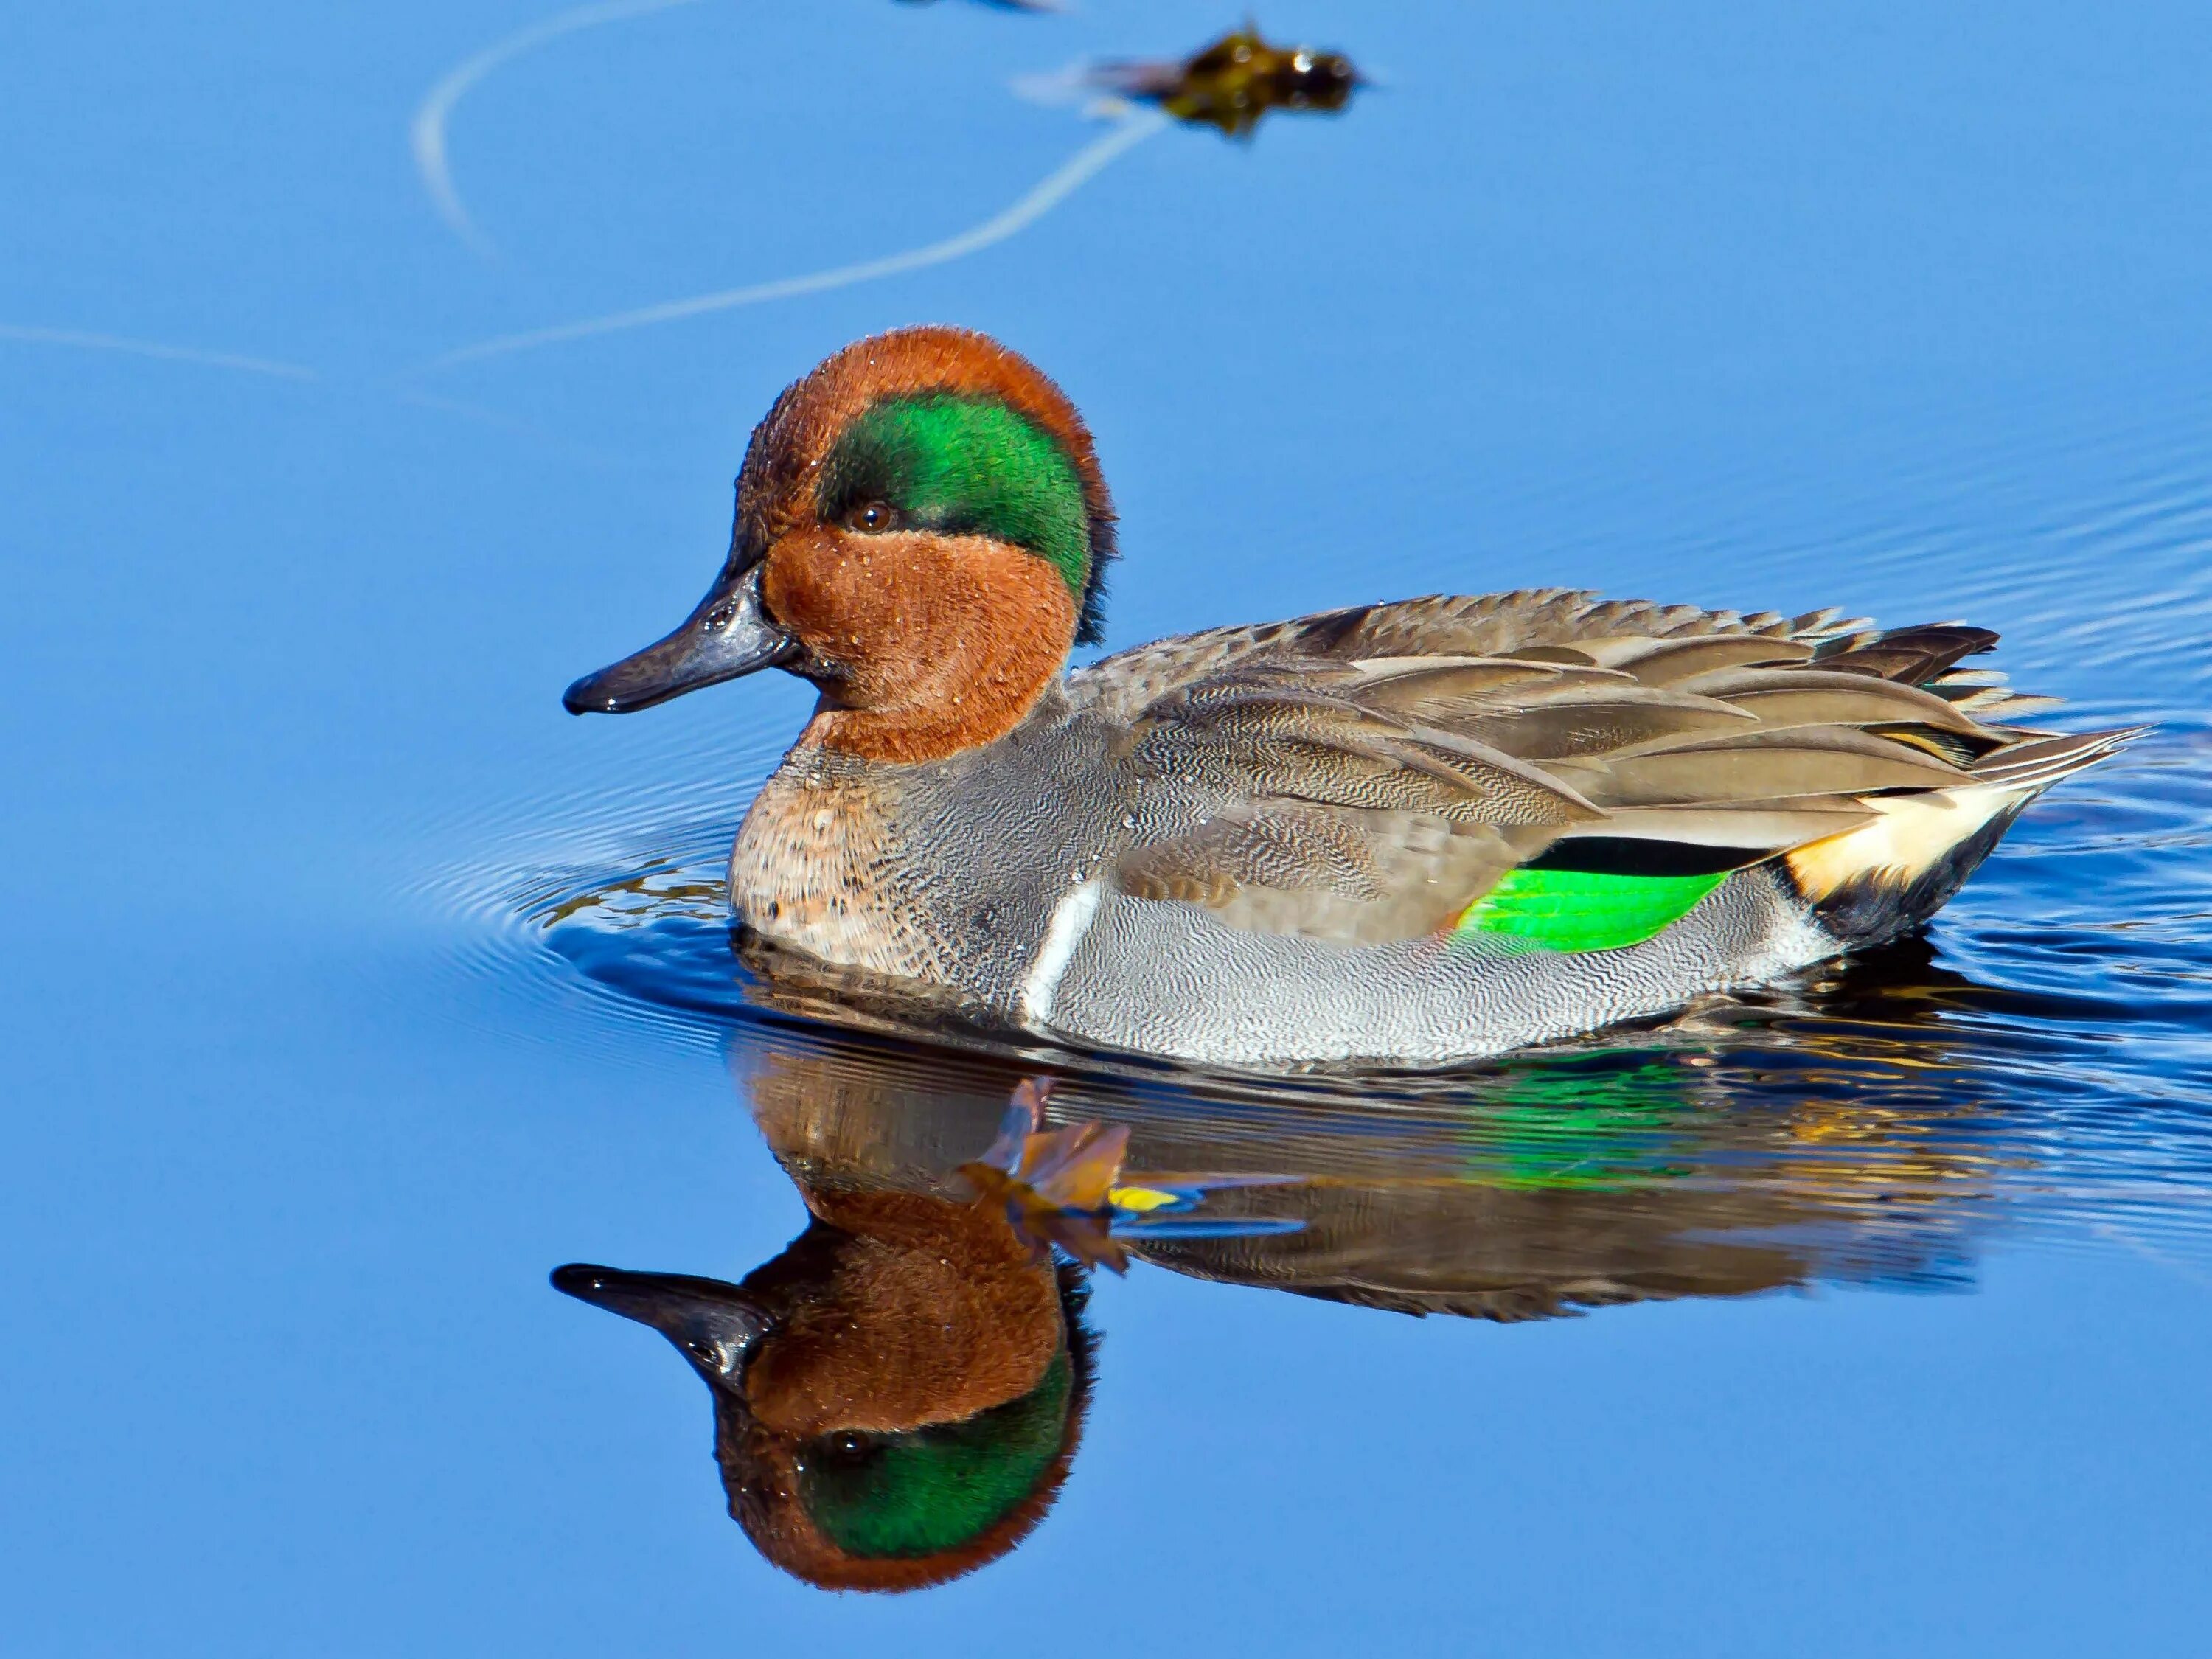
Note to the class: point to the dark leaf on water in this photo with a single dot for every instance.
(1233, 82)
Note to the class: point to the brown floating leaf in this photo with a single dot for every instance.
(1233, 82)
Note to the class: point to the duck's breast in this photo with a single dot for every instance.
(948, 873)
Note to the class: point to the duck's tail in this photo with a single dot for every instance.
(1878, 880)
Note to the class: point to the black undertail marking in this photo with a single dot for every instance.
(1874, 908)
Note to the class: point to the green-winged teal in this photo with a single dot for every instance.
(1407, 833)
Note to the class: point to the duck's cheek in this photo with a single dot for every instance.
(814, 586)
(893, 613)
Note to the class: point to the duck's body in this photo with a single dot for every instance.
(1406, 834)
(1102, 872)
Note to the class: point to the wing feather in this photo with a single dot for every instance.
(1376, 769)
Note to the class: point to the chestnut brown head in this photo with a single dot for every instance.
(921, 531)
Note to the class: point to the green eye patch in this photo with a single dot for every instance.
(934, 1489)
(965, 466)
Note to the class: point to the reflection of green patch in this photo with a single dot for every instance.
(1584, 909)
(934, 1489)
(1585, 1151)
(1566, 1127)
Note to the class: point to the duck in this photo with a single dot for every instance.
(1408, 833)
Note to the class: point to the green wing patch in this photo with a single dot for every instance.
(1583, 909)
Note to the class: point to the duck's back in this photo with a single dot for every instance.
(1413, 832)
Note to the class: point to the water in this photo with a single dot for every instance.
(355, 986)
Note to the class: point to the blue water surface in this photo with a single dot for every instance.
(351, 985)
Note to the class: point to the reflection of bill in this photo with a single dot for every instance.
(899, 1394)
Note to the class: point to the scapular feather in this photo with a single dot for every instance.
(1554, 746)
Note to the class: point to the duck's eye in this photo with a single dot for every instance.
(845, 1449)
(871, 516)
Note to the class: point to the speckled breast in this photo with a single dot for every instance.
(945, 873)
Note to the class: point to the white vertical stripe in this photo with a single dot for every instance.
(1071, 919)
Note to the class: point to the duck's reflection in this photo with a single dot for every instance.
(897, 1396)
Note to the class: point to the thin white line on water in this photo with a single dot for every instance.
(1049, 193)
(427, 132)
(2150, 1252)
(84, 341)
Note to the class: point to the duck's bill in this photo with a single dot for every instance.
(725, 637)
(714, 1325)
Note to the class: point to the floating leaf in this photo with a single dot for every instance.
(1233, 82)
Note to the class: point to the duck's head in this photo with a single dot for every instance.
(893, 1407)
(921, 531)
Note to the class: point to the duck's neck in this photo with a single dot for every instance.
(914, 735)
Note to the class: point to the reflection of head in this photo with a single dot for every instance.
(893, 1407)
(899, 1509)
